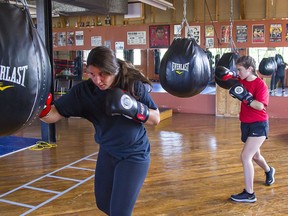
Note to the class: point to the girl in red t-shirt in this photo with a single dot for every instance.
(253, 93)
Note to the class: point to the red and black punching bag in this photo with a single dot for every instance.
(25, 70)
(184, 68)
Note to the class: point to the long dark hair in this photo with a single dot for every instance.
(125, 73)
(104, 59)
(127, 76)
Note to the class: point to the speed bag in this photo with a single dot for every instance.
(227, 60)
(25, 70)
(267, 66)
(184, 68)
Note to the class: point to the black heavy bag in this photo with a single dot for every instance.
(184, 69)
(25, 70)
(267, 66)
(227, 60)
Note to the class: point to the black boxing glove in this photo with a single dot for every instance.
(224, 74)
(238, 91)
(122, 103)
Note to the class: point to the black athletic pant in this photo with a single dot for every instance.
(281, 78)
(118, 183)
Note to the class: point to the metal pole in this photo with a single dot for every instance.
(44, 28)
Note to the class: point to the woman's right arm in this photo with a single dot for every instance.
(52, 117)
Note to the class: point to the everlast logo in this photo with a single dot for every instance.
(13, 74)
(180, 68)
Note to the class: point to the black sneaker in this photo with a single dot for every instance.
(270, 176)
(244, 197)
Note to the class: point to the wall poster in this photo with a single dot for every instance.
(258, 33)
(54, 39)
(61, 39)
(70, 38)
(79, 38)
(286, 38)
(225, 34)
(136, 38)
(96, 41)
(209, 42)
(209, 31)
(119, 45)
(159, 36)
(193, 32)
(177, 31)
(275, 32)
(241, 34)
(107, 44)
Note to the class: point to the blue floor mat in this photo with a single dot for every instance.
(12, 144)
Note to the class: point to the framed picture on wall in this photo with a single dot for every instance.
(275, 32)
(209, 31)
(225, 34)
(70, 38)
(159, 36)
(209, 42)
(286, 36)
(61, 38)
(55, 39)
(177, 31)
(258, 33)
(193, 32)
(241, 33)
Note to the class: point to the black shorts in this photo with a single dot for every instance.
(256, 129)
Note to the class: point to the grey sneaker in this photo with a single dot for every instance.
(244, 197)
(270, 176)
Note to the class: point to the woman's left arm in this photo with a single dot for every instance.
(257, 105)
(261, 97)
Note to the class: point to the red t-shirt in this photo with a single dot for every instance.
(259, 90)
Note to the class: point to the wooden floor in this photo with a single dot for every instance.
(195, 167)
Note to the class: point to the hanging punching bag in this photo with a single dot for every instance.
(227, 60)
(184, 69)
(25, 70)
(267, 66)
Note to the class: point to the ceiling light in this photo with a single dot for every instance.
(161, 4)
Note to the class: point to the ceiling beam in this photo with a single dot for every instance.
(242, 9)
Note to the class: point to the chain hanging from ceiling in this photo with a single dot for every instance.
(185, 22)
(231, 42)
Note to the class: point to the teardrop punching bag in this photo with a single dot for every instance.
(25, 70)
(227, 60)
(267, 66)
(184, 68)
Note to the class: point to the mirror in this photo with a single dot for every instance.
(277, 83)
(69, 66)
(68, 70)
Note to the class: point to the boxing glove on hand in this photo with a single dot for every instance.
(224, 74)
(238, 91)
(47, 107)
(121, 103)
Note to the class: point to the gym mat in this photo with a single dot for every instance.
(12, 144)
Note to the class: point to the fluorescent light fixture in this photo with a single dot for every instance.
(152, 3)
(166, 3)
(161, 4)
